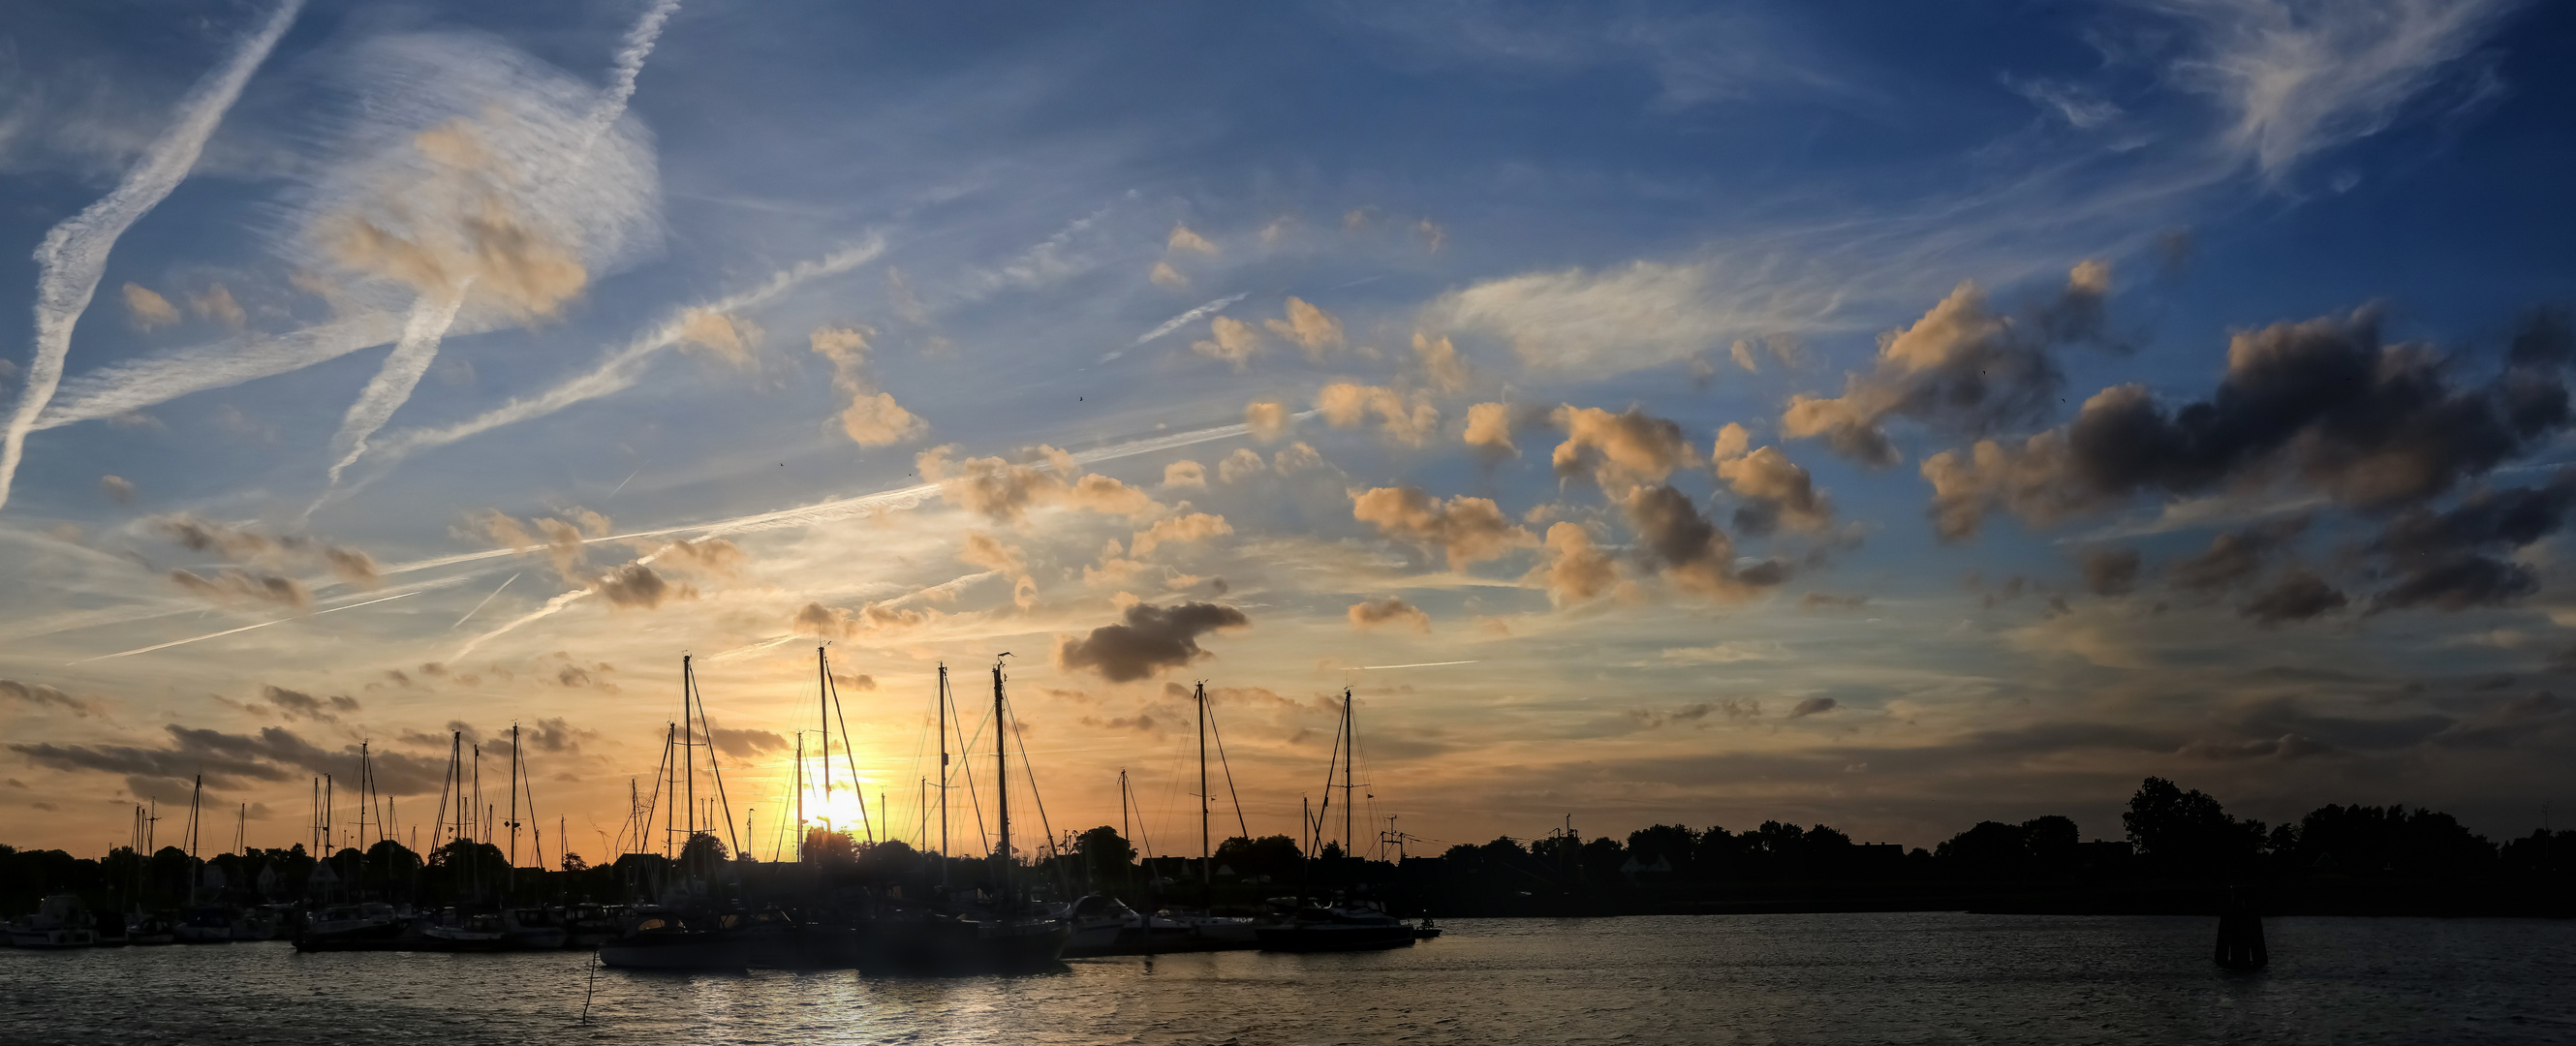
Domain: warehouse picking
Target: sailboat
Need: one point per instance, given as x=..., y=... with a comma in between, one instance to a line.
x=1343, y=926
x=689, y=933
x=1004, y=936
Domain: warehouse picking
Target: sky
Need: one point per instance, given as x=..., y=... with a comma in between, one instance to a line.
x=1892, y=417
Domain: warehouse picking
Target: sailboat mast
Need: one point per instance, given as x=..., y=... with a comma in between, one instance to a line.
x=823, y=715
x=943, y=773
x=800, y=797
x=1002, y=777
x=513, y=880
x=1206, y=853
x=1350, y=753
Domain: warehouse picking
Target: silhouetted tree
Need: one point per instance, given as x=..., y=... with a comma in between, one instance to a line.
x=2188, y=833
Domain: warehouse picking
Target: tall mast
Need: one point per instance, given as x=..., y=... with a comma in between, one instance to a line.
x=1002, y=778
x=1350, y=753
x=800, y=797
x=823, y=715
x=513, y=880
x=1206, y=853
x=943, y=773
x=689, y=751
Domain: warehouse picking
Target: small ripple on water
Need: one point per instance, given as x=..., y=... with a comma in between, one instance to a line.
x=1894, y=978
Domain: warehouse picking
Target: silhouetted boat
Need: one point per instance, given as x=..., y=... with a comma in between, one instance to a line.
x=1339, y=928
x=659, y=938
x=61, y=921
x=372, y=926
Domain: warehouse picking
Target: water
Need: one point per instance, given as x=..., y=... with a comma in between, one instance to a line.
x=1893, y=978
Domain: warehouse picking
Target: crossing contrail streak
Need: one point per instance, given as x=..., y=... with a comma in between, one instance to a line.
x=74, y=253
x=478, y=607
x=1186, y=318
x=245, y=628
x=1418, y=664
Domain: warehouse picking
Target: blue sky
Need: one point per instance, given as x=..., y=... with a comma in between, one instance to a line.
x=441, y=314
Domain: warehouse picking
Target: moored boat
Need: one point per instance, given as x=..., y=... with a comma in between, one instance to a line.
x=61, y=921
x=372, y=926
x=659, y=938
x=1339, y=928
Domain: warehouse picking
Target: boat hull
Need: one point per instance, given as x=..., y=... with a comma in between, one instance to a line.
x=687, y=951
x=53, y=939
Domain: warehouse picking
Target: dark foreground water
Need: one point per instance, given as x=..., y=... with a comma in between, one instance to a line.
x=1903, y=978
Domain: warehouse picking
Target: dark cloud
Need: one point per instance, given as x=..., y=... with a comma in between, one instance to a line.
x=1812, y=706
x=1151, y=639
x=2235, y=558
x=2371, y=426
x=1689, y=549
x=41, y=695
x=1965, y=367
x=2450, y=559
x=637, y=585
x=230, y=760
x=2296, y=595
x=744, y=744
x=296, y=704
x=231, y=585
x=2110, y=571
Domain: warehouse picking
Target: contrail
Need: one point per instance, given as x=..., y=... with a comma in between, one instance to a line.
x=120, y=388
x=1423, y=664
x=393, y=383
x=244, y=628
x=74, y=253
x=478, y=607
x=805, y=516
x=1186, y=318
x=623, y=367
x=412, y=356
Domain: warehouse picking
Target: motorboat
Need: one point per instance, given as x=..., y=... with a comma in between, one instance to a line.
x=61, y=921
x=466, y=932
x=591, y=925
x=662, y=938
x=532, y=929
x=371, y=926
x=145, y=928
x=207, y=925
x=1337, y=928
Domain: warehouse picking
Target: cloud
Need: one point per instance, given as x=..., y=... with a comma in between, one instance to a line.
x=1185, y=473
x=2296, y=595
x=2109, y=571
x=1196, y=526
x=1814, y=601
x=562, y=540
x=745, y=744
x=2236, y=557
x=1308, y=327
x=74, y=252
x=1296, y=457
x=1469, y=530
x=637, y=585
x=217, y=305
x=352, y=565
x=1489, y=430
x=815, y=619
x=1775, y=489
x=1576, y=570
x=1269, y=420
x=712, y=556
x=1813, y=706
x=296, y=704
x=2449, y=559
x=1640, y=315
x=1167, y=277
x=1231, y=340
x=43, y=696
x=1963, y=367
x=147, y=309
x=1347, y=405
x=273, y=755
x=1182, y=239
x=1689, y=549
x=1150, y=640
x=729, y=338
x=1441, y=364
x=2300, y=78
x=117, y=488
x=983, y=550
x=234, y=585
x=2370, y=426
x=1243, y=464
x=872, y=419
x=1619, y=450
x=1389, y=611
x=1005, y=492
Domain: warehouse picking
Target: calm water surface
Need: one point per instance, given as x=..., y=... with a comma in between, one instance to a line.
x=1903, y=978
